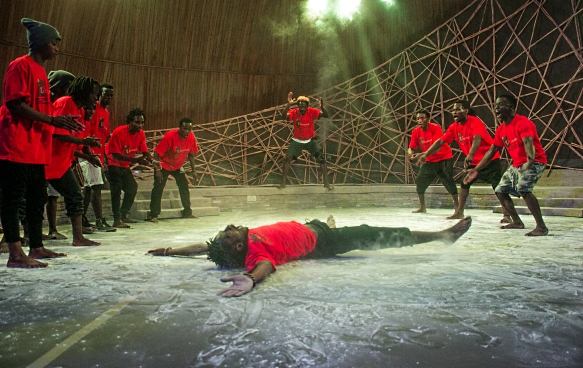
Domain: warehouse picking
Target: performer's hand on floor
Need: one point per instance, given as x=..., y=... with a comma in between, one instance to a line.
x=241, y=285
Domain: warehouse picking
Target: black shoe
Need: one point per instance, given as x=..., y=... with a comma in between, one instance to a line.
x=85, y=222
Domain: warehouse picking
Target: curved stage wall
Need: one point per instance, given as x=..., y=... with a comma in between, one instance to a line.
x=531, y=50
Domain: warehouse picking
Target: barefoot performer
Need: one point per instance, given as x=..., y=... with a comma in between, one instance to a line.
x=474, y=141
x=260, y=250
x=83, y=93
x=304, y=136
x=518, y=135
x=125, y=142
x=26, y=126
x=439, y=164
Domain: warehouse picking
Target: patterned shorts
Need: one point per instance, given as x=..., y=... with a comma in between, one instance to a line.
x=513, y=181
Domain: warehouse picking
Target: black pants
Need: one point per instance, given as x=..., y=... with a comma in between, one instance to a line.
x=344, y=239
x=156, y=197
x=431, y=170
x=68, y=186
x=23, y=182
x=121, y=179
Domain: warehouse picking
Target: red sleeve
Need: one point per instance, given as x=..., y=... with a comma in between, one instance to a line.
x=315, y=114
x=497, y=137
x=525, y=129
x=162, y=146
x=15, y=84
x=414, y=143
x=449, y=134
x=115, y=145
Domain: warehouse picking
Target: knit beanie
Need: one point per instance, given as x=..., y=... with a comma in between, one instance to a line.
x=58, y=78
x=38, y=33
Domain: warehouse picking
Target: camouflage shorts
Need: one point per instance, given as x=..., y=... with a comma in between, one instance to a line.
x=514, y=182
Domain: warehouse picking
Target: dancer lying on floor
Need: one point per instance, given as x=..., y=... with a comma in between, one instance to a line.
x=263, y=248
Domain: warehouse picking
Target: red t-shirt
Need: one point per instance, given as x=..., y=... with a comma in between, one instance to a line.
x=304, y=124
x=173, y=149
x=278, y=243
x=511, y=135
x=22, y=140
x=464, y=135
x=99, y=128
x=124, y=143
x=64, y=152
x=425, y=138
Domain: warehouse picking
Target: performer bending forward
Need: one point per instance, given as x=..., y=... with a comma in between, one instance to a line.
x=518, y=135
x=172, y=151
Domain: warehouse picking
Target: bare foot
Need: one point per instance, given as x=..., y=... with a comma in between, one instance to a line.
x=43, y=252
x=538, y=232
x=329, y=187
x=455, y=216
x=452, y=234
x=282, y=186
x=420, y=210
x=55, y=235
x=190, y=216
x=128, y=220
x=331, y=222
x=85, y=243
x=154, y=219
x=506, y=220
x=120, y=224
x=25, y=262
x=513, y=225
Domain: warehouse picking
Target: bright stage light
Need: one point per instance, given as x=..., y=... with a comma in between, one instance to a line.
x=316, y=8
x=346, y=8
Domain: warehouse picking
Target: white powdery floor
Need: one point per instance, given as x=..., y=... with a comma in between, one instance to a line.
x=493, y=299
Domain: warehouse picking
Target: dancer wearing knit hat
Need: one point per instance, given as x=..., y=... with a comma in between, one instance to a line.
x=26, y=126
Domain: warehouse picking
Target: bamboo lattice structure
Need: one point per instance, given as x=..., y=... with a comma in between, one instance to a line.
x=532, y=49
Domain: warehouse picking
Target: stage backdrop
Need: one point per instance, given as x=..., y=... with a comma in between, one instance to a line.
x=531, y=49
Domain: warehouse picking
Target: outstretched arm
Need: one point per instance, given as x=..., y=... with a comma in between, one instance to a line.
x=242, y=284
x=473, y=173
x=434, y=148
x=189, y=250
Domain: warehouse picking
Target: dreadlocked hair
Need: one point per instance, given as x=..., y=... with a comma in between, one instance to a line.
x=222, y=256
x=81, y=87
x=133, y=113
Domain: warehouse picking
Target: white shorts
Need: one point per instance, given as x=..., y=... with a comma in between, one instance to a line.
x=52, y=192
x=92, y=174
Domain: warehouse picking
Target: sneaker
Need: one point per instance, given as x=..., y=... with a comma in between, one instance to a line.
x=85, y=222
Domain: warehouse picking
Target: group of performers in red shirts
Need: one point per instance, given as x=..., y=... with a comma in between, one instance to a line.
x=49, y=122
x=42, y=130
x=515, y=133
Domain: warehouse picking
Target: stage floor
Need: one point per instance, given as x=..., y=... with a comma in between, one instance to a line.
x=493, y=299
